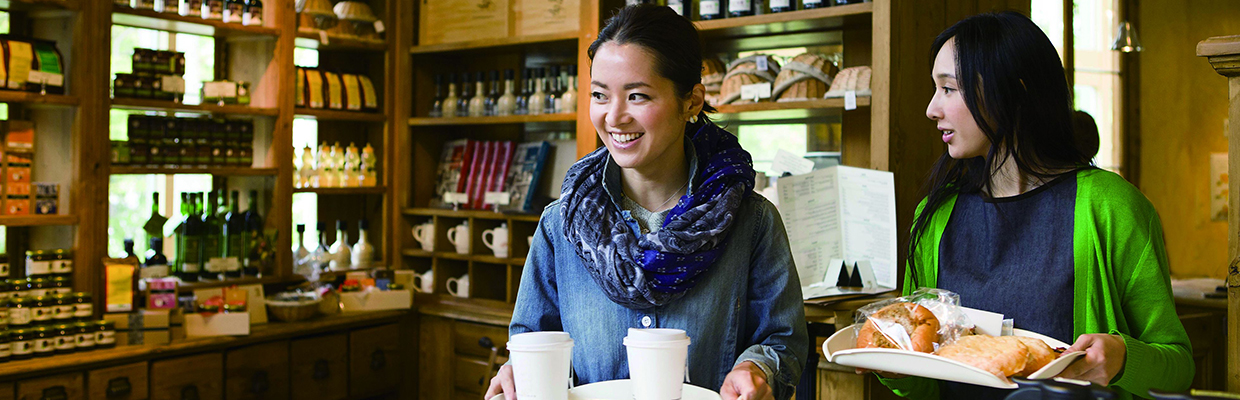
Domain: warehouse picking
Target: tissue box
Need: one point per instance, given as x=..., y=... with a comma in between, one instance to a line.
x=223, y=324
x=376, y=300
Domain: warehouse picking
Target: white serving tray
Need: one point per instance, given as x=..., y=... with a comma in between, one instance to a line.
x=841, y=349
x=622, y=389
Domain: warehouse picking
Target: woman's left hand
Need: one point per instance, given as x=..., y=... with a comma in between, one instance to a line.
x=1104, y=358
x=746, y=382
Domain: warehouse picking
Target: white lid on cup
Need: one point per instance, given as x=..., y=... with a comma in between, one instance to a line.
x=536, y=341
x=659, y=337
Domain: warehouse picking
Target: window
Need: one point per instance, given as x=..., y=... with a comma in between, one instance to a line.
x=305, y=133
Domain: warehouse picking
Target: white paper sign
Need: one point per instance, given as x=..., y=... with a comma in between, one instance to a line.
x=985, y=322
x=791, y=163
x=456, y=198
x=850, y=100
x=756, y=91
x=496, y=198
x=379, y=26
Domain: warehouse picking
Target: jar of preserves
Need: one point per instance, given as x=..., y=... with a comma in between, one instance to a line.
x=39, y=263
x=105, y=334
x=83, y=309
x=44, y=341
x=62, y=308
x=85, y=336
x=21, y=343
x=41, y=310
x=6, y=349
x=38, y=286
x=66, y=338
x=60, y=285
x=20, y=312
x=62, y=262
x=18, y=288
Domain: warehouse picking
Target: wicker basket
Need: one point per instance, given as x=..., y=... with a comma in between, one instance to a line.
x=851, y=79
x=745, y=72
x=805, y=77
x=291, y=311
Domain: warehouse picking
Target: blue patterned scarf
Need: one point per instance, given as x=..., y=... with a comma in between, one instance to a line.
x=656, y=268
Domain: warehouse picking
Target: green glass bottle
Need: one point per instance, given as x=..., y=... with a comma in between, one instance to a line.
x=189, y=244
x=253, y=232
x=211, y=236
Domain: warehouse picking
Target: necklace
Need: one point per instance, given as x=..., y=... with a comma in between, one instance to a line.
x=673, y=196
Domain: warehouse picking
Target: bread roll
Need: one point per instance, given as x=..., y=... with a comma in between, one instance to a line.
x=920, y=323
x=1003, y=356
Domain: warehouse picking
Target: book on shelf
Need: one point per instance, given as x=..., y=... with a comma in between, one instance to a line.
x=481, y=164
x=499, y=174
x=454, y=161
x=523, y=175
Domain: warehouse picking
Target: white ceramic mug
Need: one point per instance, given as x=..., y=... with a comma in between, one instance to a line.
x=425, y=235
x=459, y=237
x=424, y=283
x=459, y=287
x=498, y=242
x=657, y=362
x=541, y=361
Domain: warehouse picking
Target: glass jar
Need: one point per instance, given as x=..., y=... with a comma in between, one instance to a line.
x=105, y=334
x=18, y=288
x=39, y=262
x=38, y=286
x=85, y=336
x=21, y=343
x=66, y=338
x=6, y=349
x=41, y=310
x=83, y=309
x=61, y=285
x=4, y=265
x=44, y=341
x=62, y=262
x=63, y=307
x=20, y=312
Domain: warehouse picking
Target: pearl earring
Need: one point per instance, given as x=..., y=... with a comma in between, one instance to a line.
x=693, y=119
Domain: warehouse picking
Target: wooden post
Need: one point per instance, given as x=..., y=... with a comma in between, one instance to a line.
x=1224, y=55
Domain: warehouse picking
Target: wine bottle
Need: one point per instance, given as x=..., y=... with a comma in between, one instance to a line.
x=450, y=102
x=253, y=230
x=477, y=103
x=189, y=243
x=212, y=230
x=539, y=96
x=234, y=238
x=437, y=104
x=156, y=263
x=300, y=252
x=506, y=103
x=568, y=99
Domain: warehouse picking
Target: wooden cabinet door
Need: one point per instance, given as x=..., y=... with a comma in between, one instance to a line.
x=374, y=360
x=470, y=375
x=434, y=358
x=477, y=339
x=320, y=368
x=8, y=391
x=199, y=377
x=65, y=386
x=257, y=372
x=122, y=382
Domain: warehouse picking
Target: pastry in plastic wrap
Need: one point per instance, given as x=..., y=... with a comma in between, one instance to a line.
x=851, y=79
x=712, y=77
x=746, y=71
x=1003, y=356
x=892, y=325
x=807, y=76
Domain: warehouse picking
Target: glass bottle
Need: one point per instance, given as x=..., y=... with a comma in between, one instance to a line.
x=711, y=9
x=301, y=251
x=437, y=104
x=551, y=90
x=778, y=6
x=493, y=95
x=369, y=172
x=156, y=263
x=307, y=168
x=128, y=243
x=740, y=8
x=462, y=104
x=338, y=165
x=253, y=13
x=477, y=103
x=449, y=103
x=213, y=9
x=322, y=162
x=363, y=251
x=189, y=243
x=321, y=256
x=537, y=98
x=352, y=167
x=213, y=229
x=505, y=104
x=568, y=99
x=234, y=237
x=154, y=226
x=521, y=103
x=340, y=252
x=191, y=8
x=253, y=229
x=233, y=11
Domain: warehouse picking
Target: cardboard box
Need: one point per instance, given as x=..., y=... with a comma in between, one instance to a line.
x=376, y=300
x=447, y=21
x=543, y=17
x=222, y=324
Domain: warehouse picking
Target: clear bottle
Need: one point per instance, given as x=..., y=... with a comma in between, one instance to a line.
x=477, y=103
x=363, y=252
x=506, y=103
x=321, y=256
x=234, y=10
x=521, y=103
x=352, y=166
x=302, y=263
x=253, y=13
x=437, y=104
x=213, y=9
x=538, y=97
x=552, y=90
x=338, y=165
x=450, y=102
x=308, y=176
x=253, y=229
x=234, y=237
x=568, y=99
x=493, y=95
x=711, y=9
x=191, y=8
x=323, y=168
x=301, y=251
x=341, y=253
x=467, y=91
x=369, y=166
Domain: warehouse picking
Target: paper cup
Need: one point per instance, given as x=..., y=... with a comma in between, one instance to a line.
x=541, y=362
x=657, y=362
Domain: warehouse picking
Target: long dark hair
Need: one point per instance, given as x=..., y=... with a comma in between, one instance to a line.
x=671, y=39
x=1012, y=82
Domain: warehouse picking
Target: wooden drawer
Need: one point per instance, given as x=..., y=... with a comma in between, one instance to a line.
x=320, y=368
x=71, y=386
x=122, y=382
x=257, y=372
x=471, y=375
x=469, y=338
x=188, y=378
x=374, y=360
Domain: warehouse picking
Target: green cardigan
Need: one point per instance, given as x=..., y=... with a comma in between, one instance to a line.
x=1122, y=285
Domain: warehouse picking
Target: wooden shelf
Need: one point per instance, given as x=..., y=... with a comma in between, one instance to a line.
x=311, y=40
x=194, y=25
x=417, y=253
x=35, y=5
x=512, y=119
x=35, y=99
x=224, y=171
x=343, y=190
x=493, y=44
x=186, y=287
x=787, y=22
x=772, y=110
x=452, y=255
x=443, y=212
x=160, y=105
x=38, y=220
x=518, y=261
x=338, y=115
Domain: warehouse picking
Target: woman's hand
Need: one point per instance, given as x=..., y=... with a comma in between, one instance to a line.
x=502, y=383
x=747, y=382
x=1104, y=358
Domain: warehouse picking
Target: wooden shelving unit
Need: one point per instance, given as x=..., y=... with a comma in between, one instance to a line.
x=791, y=110
x=818, y=19
x=444, y=212
x=119, y=170
x=227, y=109
x=36, y=5
x=340, y=115
x=343, y=190
x=495, y=44
x=187, y=287
x=38, y=220
x=37, y=100
x=512, y=119
x=193, y=25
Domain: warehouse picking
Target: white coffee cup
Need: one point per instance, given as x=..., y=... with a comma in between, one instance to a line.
x=657, y=362
x=425, y=235
x=459, y=237
x=498, y=242
x=427, y=282
x=541, y=363
x=459, y=287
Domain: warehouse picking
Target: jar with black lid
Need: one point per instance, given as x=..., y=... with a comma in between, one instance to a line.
x=60, y=285
x=41, y=310
x=20, y=312
x=39, y=263
x=44, y=341
x=21, y=343
x=62, y=262
x=105, y=334
x=18, y=288
x=85, y=336
x=62, y=309
x=66, y=338
x=38, y=286
x=83, y=309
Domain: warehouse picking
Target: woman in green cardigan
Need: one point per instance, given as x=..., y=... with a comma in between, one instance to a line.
x=1018, y=222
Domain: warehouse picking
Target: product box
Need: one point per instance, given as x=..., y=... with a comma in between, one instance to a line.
x=19, y=136
x=376, y=300
x=221, y=324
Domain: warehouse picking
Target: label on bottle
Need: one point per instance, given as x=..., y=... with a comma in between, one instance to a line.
x=82, y=311
x=232, y=14
x=19, y=316
x=709, y=7
x=105, y=337
x=736, y=6
x=779, y=4
x=35, y=268
x=6, y=350
x=253, y=16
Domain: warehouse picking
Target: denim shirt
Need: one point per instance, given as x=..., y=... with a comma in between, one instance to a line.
x=747, y=307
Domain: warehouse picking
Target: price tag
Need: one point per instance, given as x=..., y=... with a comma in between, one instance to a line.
x=762, y=65
x=455, y=198
x=323, y=37
x=497, y=198
x=850, y=100
x=756, y=91
x=379, y=26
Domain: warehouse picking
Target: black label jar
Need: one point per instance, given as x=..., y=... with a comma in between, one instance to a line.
x=61, y=285
x=38, y=286
x=44, y=342
x=62, y=308
x=21, y=344
x=62, y=262
x=85, y=336
x=66, y=338
x=83, y=309
x=20, y=313
x=105, y=334
x=39, y=263
x=41, y=310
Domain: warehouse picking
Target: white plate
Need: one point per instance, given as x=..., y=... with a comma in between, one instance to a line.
x=622, y=389
x=841, y=349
